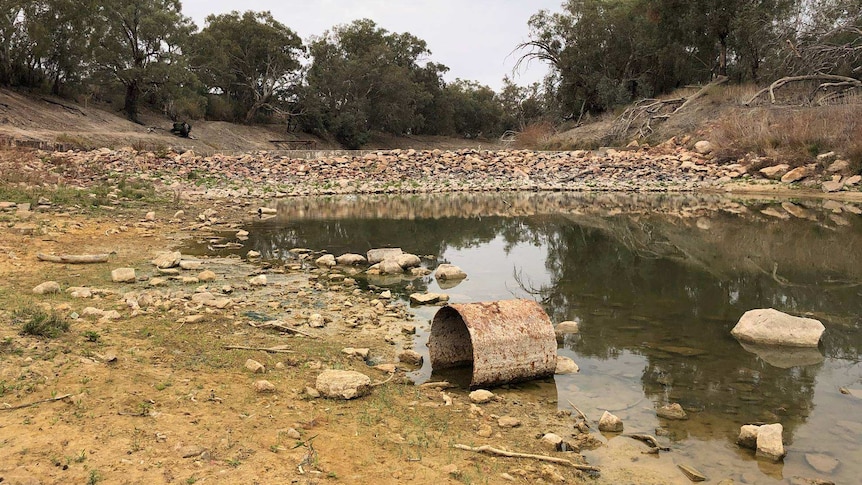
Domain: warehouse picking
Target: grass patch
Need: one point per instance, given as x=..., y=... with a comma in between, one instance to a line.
x=40, y=323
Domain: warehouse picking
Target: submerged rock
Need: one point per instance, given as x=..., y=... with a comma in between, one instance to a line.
x=772, y=327
x=671, y=411
x=785, y=357
x=609, y=423
x=770, y=444
x=565, y=365
x=449, y=272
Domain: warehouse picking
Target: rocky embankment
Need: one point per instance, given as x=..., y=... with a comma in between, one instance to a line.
x=670, y=166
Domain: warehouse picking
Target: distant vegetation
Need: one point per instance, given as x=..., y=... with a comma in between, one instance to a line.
x=359, y=78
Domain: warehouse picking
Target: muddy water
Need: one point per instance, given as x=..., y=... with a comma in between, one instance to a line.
x=656, y=283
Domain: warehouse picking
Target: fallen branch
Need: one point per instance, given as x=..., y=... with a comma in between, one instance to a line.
x=511, y=454
x=649, y=440
x=271, y=350
x=580, y=413
x=73, y=258
x=282, y=328
x=849, y=81
x=58, y=398
x=376, y=384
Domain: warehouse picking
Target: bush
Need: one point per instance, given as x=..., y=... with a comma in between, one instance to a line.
x=40, y=323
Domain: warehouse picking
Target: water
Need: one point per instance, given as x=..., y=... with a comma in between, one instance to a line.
x=656, y=283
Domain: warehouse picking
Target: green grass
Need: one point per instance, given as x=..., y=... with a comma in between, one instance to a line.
x=40, y=323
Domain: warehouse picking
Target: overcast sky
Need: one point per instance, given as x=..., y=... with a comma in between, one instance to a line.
x=474, y=38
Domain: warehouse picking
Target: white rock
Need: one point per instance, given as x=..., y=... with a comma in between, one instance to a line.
x=564, y=328
x=343, y=384
x=167, y=260
x=408, y=261
x=151, y=216
x=508, y=422
x=316, y=320
x=672, y=411
x=552, y=441
x=775, y=172
x=190, y=264
x=264, y=386
x=123, y=275
x=207, y=275
x=350, y=259
x=565, y=365
x=770, y=444
x=259, y=280
x=46, y=288
x=610, y=423
x=748, y=436
x=428, y=298
x=449, y=272
x=481, y=396
x=79, y=292
x=390, y=266
x=377, y=255
x=253, y=254
x=703, y=147
x=772, y=327
x=255, y=366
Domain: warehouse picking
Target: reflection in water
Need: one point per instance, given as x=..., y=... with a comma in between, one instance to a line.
x=656, y=282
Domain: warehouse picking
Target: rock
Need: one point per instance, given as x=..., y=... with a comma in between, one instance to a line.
x=449, y=272
x=410, y=357
x=838, y=166
x=157, y=282
x=770, y=444
x=564, y=328
x=207, y=275
x=316, y=320
x=327, y=260
x=259, y=280
x=481, y=396
x=785, y=357
x=293, y=434
x=312, y=392
x=25, y=229
x=408, y=261
x=485, y=431
x=775, y=172
x=508, y=422
x=832, y=186
x=703, y=147
x=565, y=365
x=854, y=180
x=610, y=423
x=343, y=384
x=451, y=469
x=242, y=233
x=351, y=259
x=671, y=411
x=189, y=264
x=551, y=441
x=264, y=386
x=390, y=266
x=386, y=295
x=748, y=436
x=46, y=288
x=191, y=451
x=253, y=254
x=123, y=275
x=428, y=298
x=550, y=474
x=79, y=292
x=255, y=366
x=167, y=260
x=826, y=157
x=150, y=216
x=822, y=463
x=387, y=368
x=772, y=327
x=351, y=352
x=377, y=255
x=795, y=175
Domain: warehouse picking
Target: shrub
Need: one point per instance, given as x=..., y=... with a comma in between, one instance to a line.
x=40, y=323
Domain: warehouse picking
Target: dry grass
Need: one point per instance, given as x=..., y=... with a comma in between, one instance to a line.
x=534, y=136
x=793, y=134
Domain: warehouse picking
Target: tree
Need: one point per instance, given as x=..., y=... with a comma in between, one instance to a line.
x=140, y=45
x=252, y=58
x=477, y=110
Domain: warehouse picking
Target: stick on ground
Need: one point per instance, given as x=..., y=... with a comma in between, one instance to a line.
x=272, y=350
x=58, y=398
x=73, y=258
x=511, y=454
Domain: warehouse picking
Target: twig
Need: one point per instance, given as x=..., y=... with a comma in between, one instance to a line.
x=272, y=350
x=73, y=258
x=282, y=328
x=511, y=454
x=580, y=413
x=58, y=398
x=383, y=382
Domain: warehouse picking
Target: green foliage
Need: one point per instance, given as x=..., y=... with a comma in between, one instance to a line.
x=40, y=323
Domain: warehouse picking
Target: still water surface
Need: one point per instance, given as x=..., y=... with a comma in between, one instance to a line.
x=656, y=283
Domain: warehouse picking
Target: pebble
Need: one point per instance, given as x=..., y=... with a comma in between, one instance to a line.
x=508, y=422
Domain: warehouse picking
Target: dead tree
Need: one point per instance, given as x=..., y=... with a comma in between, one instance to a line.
x=829, y=88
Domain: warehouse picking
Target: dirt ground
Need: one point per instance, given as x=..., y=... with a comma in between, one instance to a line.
x=152, y=396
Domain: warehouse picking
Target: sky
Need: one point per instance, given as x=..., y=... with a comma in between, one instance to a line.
x=474, y=38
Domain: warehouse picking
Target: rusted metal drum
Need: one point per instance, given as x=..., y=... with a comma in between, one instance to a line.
x=505, y=341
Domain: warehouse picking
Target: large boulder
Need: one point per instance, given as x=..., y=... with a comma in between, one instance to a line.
x=772, y=327
x=343, y=384
x=167, y=260
x=377, y=255
x=449, y=272
x=770, y=444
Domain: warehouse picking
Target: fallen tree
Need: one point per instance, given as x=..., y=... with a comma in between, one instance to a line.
x=834, y=87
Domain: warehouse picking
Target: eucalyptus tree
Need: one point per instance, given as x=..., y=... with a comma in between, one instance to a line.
x=139, y=44
x=251, y=58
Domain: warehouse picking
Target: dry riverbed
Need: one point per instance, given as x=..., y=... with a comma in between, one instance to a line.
x=144, y=387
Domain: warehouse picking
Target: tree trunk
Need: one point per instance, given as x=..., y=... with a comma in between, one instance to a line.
x=131, y=105
x=722, y=55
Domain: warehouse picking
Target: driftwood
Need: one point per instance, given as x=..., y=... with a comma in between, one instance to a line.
x=282, y=328
x=272, y=350
x=511, y=454
x=649, y=440
x=580, y=413
x=20, y=406
x=839, y=82
x=73, y=258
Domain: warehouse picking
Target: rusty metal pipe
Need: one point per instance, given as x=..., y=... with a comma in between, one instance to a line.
x=505, y=341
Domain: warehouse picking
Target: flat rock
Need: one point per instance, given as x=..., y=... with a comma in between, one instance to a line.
x=795, y=175
x=255, y=366
x=169, y=259
x=264, y=386
x=350, y=259
x=565, y=328
x=481, y=396
x=343, y=384
x=189, y=264
x=832, y=186
x=822, y=463
x=770, y=444
x=565, y=365
x=47, y=288
x=360, y=353
x=326, y=260
x=123, y=275
x=259, y=280
x=775, y=172
x=772, y=327
x=508, y=422
x=609, y=423
x=671, y=411
x=428, y=298
x=79, y=292
x=377, y=255
x=449, y=272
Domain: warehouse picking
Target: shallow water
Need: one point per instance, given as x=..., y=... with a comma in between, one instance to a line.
x=656, y=283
